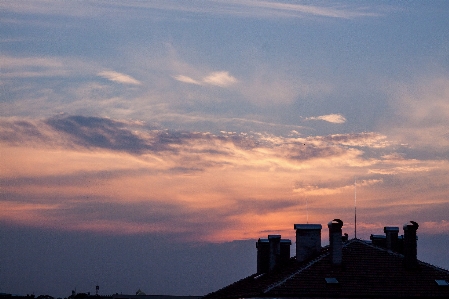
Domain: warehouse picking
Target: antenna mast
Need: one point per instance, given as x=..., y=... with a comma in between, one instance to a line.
x=307, y=208
x=355, y=208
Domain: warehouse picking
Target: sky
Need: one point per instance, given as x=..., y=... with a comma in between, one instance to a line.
x=149, y=144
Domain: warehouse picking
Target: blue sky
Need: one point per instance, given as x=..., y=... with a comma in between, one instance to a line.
x=208, y=124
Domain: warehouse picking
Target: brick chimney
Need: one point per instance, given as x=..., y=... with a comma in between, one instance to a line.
x=308, y=241
x=391, y=240
x=410, y=245
x=335, y=241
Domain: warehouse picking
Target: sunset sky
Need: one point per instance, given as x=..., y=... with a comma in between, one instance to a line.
x=148, y=144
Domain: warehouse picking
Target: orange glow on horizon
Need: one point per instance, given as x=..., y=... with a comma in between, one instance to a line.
x=215, y=189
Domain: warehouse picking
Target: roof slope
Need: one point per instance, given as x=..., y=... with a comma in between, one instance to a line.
x=367, y=271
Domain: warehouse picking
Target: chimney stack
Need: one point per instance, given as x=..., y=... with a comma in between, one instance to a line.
x=285, y=251
x=308, y=241
x=391, y=234
x=335, y=241
x=263, y=255
x=275, y=250
x=410, y=245
x=272, y=252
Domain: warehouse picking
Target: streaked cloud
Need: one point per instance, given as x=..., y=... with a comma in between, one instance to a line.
x=119, y=77
x=32, y=67
x=293, y=9
x=242, y=8
x=434, y=226
x=187, y=79
x=222, y=79
x=400, y=165
x=365, y=139
x=312, y=190
x=332, y=118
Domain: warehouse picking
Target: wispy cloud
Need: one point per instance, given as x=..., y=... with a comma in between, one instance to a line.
x=187, y=79
x=298, y=10
x=366, y=139
x=119, y=77
x=332, y=118
x=396, y=164
x=244, y=8
x=266, y=85
x=31, y=67
x=222, y=79
x=435, y=226
x=96, y=132
x=315, y=190
x=421, y=114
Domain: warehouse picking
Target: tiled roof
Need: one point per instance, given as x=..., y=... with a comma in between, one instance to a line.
x=366, y=271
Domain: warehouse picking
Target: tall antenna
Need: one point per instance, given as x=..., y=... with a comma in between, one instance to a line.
x=355, y=207
x=307, y=209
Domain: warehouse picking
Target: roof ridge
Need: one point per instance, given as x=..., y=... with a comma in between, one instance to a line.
x=434, y=267
x=391, y=252
x=274, y=285
x=401, y=255
x=308, y=265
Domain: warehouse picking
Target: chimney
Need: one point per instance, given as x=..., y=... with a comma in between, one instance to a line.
x=410, y=245
x=275, y=250
x=263, y=255
x=335, y=241
x=285, y=251
x=272, y=252
x=308, y=241
x=391, y=234
x=378, y=240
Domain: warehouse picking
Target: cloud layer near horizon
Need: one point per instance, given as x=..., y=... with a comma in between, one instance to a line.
x=98, y=174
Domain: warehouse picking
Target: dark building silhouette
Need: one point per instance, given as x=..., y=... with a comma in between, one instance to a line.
x=385, y=267
x=272, y=253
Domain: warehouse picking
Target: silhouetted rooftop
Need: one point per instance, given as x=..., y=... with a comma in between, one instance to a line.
x=366, y=271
